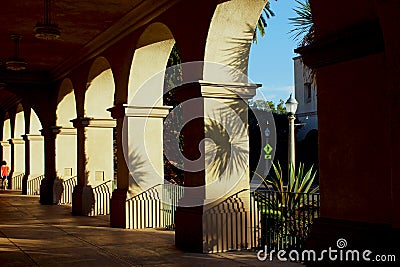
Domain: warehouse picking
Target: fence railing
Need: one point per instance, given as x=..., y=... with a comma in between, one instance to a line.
x=33, y=185
x=149, y=210
x=16, y=181
x=68, y=188
x=226, y=224
x=143, y=210
x=102, y=195
x=171, y=194
x=282, y=220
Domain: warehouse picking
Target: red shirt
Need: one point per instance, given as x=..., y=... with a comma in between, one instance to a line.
x=5, y=170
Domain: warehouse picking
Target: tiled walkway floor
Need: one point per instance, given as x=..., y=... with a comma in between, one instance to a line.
x=37, y=235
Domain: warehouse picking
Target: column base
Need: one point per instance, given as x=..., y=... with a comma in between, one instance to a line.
x=118, y=208
x=380, y=239
x=57, y=190
x=189, y=229
x=10, y=181
x=25, y=184
x=223, y=227
x=46, y=191
x=82, y=200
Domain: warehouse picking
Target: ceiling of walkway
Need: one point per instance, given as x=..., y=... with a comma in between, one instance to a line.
x=81, y=23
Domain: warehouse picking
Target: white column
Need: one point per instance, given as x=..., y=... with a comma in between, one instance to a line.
x=18, y=145
x=66, y=165
x=140, y=157
x=95, y=160
x=214, y=214
x=35, y=143
x=6, y=151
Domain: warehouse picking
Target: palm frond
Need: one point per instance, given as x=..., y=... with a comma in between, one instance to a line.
x=303, y=25
x=261, y=26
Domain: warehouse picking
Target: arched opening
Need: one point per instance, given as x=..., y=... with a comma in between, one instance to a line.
x=18, y=143
x=19, y=129
x=144, y=126
x=66, y=165
x=229, y=39
x=35, y=124
x=227, y=50
x=142, y=133
x=99, y=144
x=151, y=55
x=224, y=176
x=36, y=146
x=6, y=137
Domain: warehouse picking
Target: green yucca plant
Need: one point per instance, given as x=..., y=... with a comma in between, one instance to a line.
x=289, y=206
x=293, y=194
x=299, y=182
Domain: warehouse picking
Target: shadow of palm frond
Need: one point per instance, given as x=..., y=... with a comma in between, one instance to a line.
x=137, y=170
x=237, y=56
x=229, y=154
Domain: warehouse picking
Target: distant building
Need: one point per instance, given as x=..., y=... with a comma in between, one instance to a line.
x=306, y=95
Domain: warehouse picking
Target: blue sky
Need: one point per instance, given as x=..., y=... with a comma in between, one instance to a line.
x=271, y=59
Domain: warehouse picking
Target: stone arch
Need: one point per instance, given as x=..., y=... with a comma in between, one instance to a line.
x=225, y=68
x=144, y=153
x=6, y=137
x=66, y=139
x=18, y=145
x=151, y=55
x=19, y=128
x=229, y=38
x=99, y=143
x=100, y=91
x=66, y=106
x=36, y=146
x=35, y=125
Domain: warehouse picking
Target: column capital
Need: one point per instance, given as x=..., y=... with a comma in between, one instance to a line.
x=117, y=111
x=222, y=90
x=82, y=122
x=48, y=131
x=16, y=141
x=149, y=112
x=64, y=130
x=32, y=137
x=123, y=110
x=5, y=143
x=232, y=90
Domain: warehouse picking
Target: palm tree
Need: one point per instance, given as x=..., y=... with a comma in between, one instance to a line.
x=303, y=30
x=267, y=13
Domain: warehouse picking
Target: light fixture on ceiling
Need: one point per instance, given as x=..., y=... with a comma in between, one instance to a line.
x=16, y=63
x=47, y=30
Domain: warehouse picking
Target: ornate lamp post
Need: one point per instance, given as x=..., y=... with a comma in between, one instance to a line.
x=291, y=107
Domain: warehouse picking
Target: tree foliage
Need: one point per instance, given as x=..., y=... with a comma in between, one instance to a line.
x=304, y=31
x=261, y=104
x=261, y=26
x=303, y=25
x=173, y=77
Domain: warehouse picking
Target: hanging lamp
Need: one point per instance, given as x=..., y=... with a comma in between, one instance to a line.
x=16, y=63
x=47, y=30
